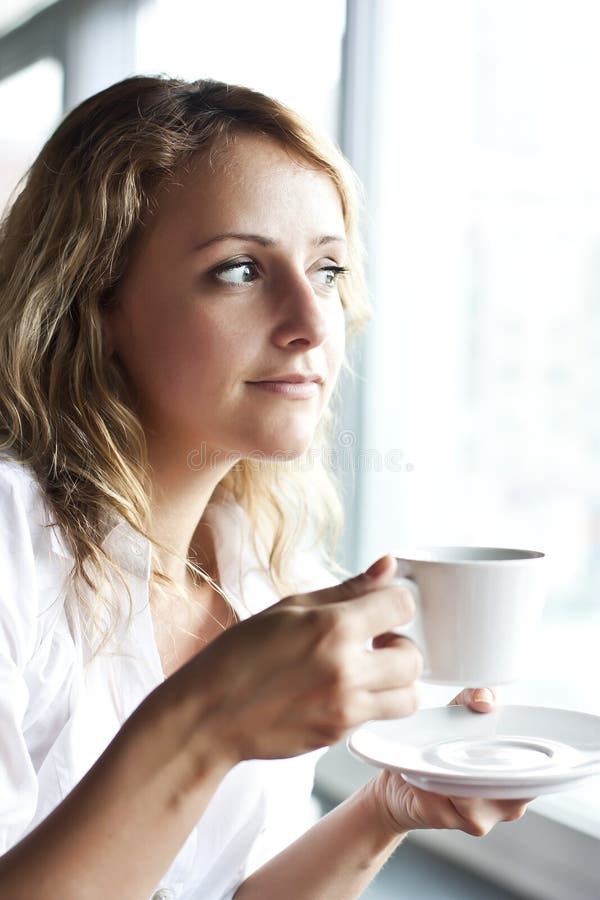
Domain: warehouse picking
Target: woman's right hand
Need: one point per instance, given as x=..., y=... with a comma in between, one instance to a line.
x=299, y=675
x=295, y=677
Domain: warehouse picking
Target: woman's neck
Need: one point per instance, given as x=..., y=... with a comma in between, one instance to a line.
x=180, y=495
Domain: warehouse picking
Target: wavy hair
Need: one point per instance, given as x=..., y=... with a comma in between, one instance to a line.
x=65, y=242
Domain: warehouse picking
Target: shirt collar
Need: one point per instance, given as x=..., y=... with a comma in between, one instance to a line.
x=132, y=552
x=125, y=546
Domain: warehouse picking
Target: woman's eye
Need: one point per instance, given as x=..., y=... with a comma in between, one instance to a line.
x=328, y=275
x=242, y=271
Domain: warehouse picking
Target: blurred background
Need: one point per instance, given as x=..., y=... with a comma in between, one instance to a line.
x=474, y=127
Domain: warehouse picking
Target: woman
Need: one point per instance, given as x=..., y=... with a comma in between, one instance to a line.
x=177, y=279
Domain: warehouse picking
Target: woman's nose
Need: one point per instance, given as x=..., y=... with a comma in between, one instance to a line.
x=301, y=314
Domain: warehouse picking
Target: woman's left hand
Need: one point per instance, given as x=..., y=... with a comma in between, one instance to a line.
x=405, y=807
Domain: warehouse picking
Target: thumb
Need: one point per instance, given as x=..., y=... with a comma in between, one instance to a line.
x=385, y=565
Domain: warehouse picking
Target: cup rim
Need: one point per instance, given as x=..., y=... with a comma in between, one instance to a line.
x=514, y=555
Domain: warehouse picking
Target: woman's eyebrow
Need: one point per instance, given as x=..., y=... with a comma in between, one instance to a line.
x=262, y=239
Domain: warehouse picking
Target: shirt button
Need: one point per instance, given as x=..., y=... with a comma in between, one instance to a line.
x=164, y=894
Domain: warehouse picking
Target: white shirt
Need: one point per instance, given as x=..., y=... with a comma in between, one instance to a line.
x=58, y=711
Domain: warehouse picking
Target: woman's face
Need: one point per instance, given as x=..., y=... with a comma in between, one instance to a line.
x=229, y=322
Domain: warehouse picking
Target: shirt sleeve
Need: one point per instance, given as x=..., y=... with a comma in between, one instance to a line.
x=18, y=616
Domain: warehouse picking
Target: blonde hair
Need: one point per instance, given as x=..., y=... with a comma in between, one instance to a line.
x=64, y=246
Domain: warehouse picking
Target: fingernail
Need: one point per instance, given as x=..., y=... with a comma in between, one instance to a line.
x=378, y=567
x=482, y=695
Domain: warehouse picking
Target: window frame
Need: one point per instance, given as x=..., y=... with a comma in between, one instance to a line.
x=65, y=31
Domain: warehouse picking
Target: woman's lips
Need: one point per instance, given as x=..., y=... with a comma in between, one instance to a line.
x=295, y=390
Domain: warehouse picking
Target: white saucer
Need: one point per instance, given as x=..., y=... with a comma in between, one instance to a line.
x=513, y=752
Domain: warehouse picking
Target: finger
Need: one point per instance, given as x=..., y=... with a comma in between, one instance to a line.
x=394, y=667
x=389, y=639
x=478, y=699
x=379, y=611
x=514, y=809
x=380, y=573
x=393, y=704
x=487, y=813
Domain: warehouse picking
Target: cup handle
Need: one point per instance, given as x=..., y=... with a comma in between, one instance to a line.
x=413, y=629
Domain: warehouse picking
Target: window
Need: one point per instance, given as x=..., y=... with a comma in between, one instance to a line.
x=482, y=364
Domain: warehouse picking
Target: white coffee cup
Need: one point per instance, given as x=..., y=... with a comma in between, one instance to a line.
x=477, y=611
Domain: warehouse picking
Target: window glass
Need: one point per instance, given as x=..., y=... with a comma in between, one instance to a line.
x=30, y=108
x=483, y=372
x=291, y=51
